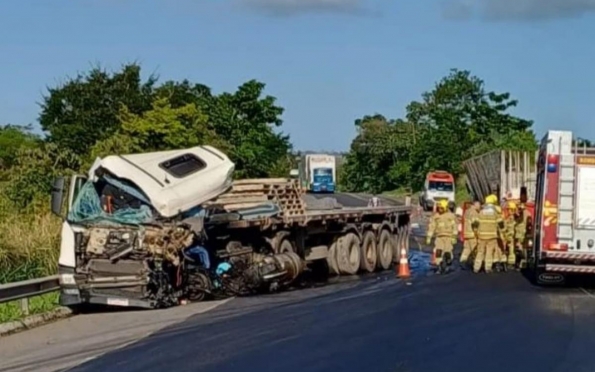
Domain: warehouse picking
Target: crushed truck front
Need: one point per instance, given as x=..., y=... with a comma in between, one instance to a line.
x=129, y=221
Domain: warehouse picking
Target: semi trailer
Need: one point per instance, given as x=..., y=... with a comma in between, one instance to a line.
x=150, y=230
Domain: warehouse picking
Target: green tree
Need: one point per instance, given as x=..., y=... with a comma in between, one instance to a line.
x=458, y=119
x=161, y=128
x=13, y=138
x=85, y=109
x=245, y=119
x=31, y=177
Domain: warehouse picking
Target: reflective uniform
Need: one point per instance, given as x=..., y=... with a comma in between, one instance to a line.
x=500, y=252
x=488, y=225
x=470, y=243
x=509, y=234
x=519, y=235
x=444, y=227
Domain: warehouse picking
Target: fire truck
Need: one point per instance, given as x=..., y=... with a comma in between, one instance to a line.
x=558, y=185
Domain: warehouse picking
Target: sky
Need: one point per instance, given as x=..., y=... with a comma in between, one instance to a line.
x=328, y=62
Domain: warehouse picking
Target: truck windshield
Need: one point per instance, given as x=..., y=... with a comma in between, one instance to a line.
x=323, y=172
x=441, y=186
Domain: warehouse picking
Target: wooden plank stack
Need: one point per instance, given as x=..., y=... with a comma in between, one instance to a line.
x=250, y=193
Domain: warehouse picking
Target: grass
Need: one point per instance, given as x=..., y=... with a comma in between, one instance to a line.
x=29, y=248
x=37, y=305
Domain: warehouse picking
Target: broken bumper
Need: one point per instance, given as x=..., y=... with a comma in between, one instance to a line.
x=75, y=290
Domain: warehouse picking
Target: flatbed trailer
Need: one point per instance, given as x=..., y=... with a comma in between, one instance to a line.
x=348, y=240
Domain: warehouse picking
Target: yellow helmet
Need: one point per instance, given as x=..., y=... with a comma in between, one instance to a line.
x=512, y=206
x=491, y=199
x=443, y=204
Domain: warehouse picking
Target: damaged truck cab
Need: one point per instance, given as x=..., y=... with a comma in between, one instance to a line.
x=128, y=222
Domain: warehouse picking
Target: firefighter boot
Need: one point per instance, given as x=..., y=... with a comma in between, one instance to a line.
x=448, y=262
x=440, y=262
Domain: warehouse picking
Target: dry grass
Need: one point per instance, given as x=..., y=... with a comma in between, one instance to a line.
x=29, y=243
x=29, y=248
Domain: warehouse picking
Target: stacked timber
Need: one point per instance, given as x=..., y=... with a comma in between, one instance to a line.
x=251, y=193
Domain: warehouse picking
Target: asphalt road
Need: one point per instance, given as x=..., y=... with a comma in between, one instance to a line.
x=456, y=322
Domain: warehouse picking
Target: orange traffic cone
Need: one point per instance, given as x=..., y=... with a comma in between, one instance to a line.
x=404, y=271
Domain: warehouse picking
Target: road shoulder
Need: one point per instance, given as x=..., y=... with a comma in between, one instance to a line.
x=67, y=343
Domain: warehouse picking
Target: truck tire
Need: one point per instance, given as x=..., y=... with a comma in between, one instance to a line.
x=369, y=252
x=385, y=250
x=331, y=259
x=349, y=254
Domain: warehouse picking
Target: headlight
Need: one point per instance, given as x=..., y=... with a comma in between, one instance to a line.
x=530, y=243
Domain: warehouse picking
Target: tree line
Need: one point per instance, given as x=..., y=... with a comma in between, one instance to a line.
x=99, y=113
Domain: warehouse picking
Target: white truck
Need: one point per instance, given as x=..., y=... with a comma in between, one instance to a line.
x=148, y=230
x=318, y=173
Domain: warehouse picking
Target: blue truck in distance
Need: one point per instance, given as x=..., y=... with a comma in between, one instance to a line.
x=317, y=173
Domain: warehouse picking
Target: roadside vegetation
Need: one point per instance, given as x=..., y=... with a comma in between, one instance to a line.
x=102, y=112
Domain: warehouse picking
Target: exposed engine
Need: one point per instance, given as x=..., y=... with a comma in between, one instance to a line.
x=240, y=271
x=139, y=261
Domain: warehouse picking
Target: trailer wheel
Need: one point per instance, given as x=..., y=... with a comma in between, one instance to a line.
x=369, y=252
x=385, y=250
x=349, y=254
x=331, y=259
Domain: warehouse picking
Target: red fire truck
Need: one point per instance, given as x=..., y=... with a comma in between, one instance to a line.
x=564, y=232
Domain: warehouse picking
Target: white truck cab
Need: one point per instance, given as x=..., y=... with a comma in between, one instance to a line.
x=125, y=222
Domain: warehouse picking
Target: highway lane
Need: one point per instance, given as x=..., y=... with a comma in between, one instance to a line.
x=456, y=322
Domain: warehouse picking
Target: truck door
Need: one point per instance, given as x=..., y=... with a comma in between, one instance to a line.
x=67, y=260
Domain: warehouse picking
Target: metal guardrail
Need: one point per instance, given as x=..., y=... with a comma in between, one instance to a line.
x=28, y=288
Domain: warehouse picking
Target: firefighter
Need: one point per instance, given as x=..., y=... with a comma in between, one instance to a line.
x=470, y=244
x=443, y=225
x=499, y=260
x=510, y=234
x=488, y=226
x=522, y=219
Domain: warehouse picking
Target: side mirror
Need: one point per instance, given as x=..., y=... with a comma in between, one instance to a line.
x=58, y=196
